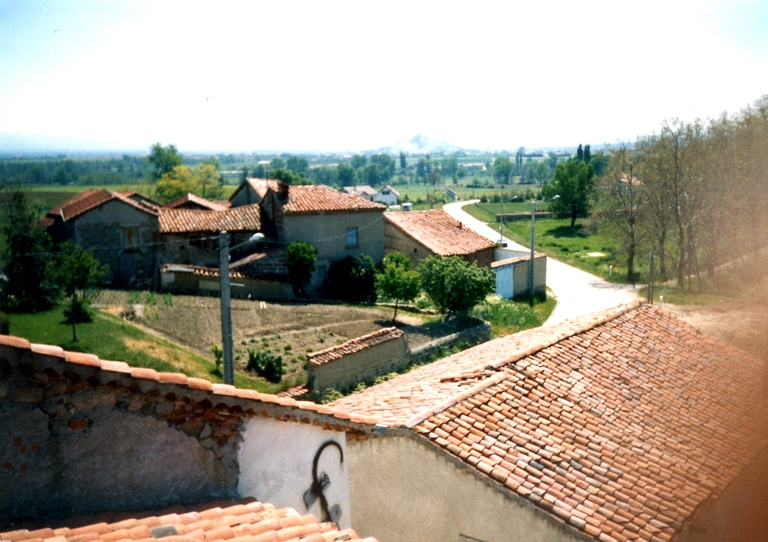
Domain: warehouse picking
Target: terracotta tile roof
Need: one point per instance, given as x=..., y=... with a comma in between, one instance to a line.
x=90, y=199
x=620, y=429
x=261, y=186
x=245, y=522
x=55, y=360
x=191, y=201
x=439, y=232
x=198, y=270
x=245, y=218
x=320, y=198
x=354, y=345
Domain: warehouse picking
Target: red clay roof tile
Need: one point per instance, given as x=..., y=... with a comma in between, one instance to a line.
x=320, y=198
x=354, y=345
x=617, y=426
x=245, y=218
x=244, y=522
x=439, y=232
x=89, y=199
x=191, y=201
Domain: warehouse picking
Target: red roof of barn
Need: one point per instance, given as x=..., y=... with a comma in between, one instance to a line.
x=439, y=232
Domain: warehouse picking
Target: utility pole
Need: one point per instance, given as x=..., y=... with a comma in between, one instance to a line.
x=501, y=220
x=533, y=235
x=226, y=309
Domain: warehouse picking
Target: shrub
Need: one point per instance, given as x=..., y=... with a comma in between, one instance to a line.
x=352, y=279
x=453, y=284
x=77, y=311
x=218, y=354
x=5, y=324
x=266, y=364
x=301, y=265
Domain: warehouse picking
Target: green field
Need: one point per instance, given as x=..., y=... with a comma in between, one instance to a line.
x=111, y=338
x=579, y=246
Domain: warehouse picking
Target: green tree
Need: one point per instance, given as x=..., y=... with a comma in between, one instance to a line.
x=358, y=161
x=73, y=270
x=297, y=164
x=289, y=177
x=352, y=279
x=573, y=183
x=580, y=153
x=24, y=258
x=163, y=160
x=346, y=175
x=301, y=265
x=203, y=181
x=386, y=166
x=277, y=163
x=402, y=160
x=397, y=281
x=453, y=284
x=502, y=168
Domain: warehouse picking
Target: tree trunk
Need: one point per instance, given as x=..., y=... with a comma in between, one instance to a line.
x=681, y=262
x=573, y=214
x=631, y=256
x=72, y=316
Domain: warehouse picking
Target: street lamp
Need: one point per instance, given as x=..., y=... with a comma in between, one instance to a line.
x=226, y=302
x=533, y=235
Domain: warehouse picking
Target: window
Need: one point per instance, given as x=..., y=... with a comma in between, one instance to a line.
x=351, y=237
x=130, y=238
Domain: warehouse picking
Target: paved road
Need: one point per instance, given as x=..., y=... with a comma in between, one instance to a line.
x=577, y=291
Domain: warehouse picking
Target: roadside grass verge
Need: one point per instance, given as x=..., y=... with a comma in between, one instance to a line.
x=579, y=246
x=111, y=338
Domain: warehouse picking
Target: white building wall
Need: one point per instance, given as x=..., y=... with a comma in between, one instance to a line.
x=276, y=461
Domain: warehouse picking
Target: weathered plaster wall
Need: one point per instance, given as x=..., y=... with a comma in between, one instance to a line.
x=328, y=234
x=72, y=445
x=739, y=514
x=402, y=489
x=370, y=362
x=276, y=465
x=189, y=283
x=108, y=229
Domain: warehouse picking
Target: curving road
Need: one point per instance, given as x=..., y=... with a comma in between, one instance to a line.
x=577, y=291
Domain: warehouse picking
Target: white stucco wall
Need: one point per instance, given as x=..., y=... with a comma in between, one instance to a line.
x=276, y=461
x=402, y=489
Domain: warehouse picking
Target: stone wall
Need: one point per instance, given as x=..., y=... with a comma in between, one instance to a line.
x=345, y=372
x=82, y=435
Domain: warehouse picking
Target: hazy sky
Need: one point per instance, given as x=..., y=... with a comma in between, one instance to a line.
x=327, y=75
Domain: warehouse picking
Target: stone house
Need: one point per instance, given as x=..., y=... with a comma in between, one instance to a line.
x=118, y=227
x=420, y=234
x=83, y=435
x=627, y=425
x=191, y=236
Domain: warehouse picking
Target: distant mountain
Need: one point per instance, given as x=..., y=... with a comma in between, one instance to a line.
x=420, y=144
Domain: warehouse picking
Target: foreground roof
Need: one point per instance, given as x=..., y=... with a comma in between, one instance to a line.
x=315, y=199
x=62, y=364
x=90, y=199
x=245, y=218
x=620, y=425
x=250, y=521
x=439, y=232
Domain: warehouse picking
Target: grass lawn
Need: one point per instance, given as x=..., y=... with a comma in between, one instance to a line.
x=590, y=251
x=111, y=338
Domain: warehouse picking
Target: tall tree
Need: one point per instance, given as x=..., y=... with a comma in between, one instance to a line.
x=203, y=181
x=24, y=257
x=163, y=160
x=297, y=164
x=502, y=168
x=346, y=175
x=402, y=160
x=572, y=182
x=619, y=202
x=587, y=153
x=386, y=165
x=580, y=153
